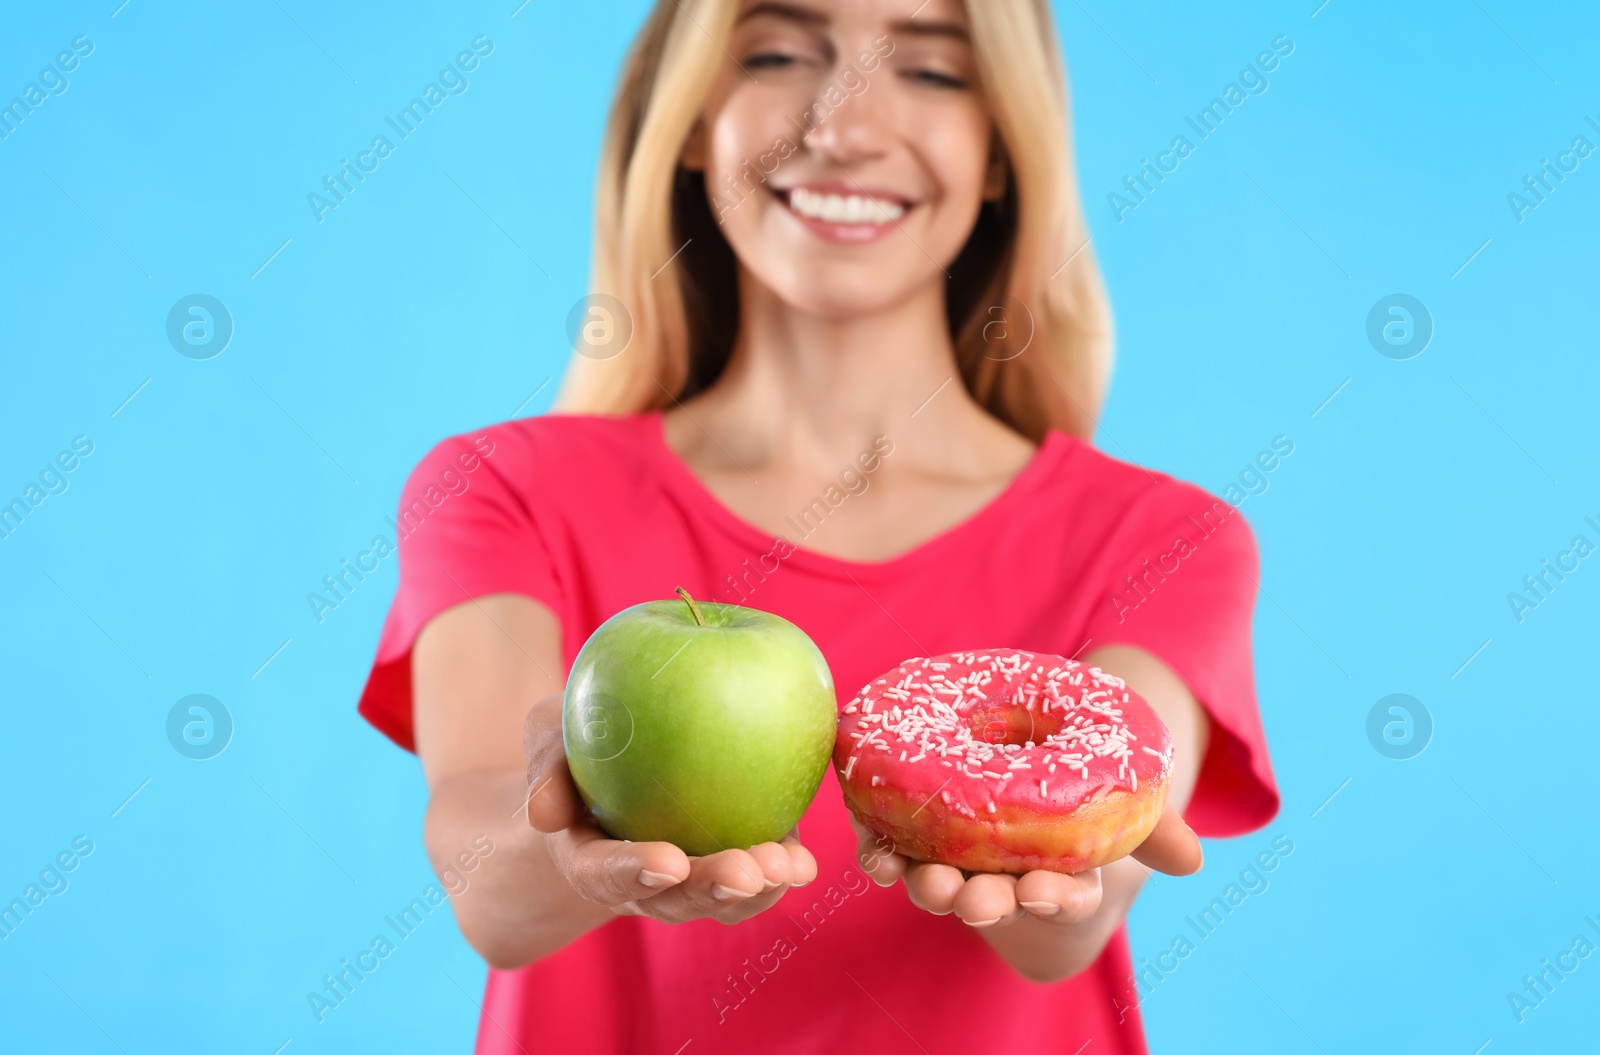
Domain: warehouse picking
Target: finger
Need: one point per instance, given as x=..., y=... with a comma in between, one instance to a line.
x=611, y=872
x=774, y=863
x=722, y=885
x=877, y=855
x=1171, y=847
x=802, y=863
x=933, y=887
x=553, y=801
x=743, y=910
x=1060, y=898
x=987, y=899
x=783, y=865
x=728, y=876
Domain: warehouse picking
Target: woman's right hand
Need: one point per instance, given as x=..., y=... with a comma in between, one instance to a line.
x=654, y=879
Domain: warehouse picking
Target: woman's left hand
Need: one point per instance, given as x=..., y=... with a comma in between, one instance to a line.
x=982, y=899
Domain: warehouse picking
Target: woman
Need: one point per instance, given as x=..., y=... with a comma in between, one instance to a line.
x=845, y=369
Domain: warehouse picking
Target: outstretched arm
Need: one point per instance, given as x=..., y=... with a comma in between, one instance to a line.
x=487, y=682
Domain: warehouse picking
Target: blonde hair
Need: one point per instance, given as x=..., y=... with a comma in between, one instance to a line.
x=1044, y=366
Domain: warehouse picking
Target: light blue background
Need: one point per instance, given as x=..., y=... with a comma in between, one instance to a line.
x=435, y=300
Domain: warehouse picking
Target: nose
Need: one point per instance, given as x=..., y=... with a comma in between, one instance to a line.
x=858, y=128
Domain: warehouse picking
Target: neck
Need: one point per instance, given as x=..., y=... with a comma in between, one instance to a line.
x=817, y=389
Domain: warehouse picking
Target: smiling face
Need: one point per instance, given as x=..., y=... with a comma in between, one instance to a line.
x=847, y=149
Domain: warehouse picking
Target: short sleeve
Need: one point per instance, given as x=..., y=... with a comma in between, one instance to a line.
x=1183, y=588
x=463, y=531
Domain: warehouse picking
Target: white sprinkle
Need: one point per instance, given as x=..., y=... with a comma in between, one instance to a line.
x=876, y=781
x=1042, y=787
x=928, y=713
x=991, y=807
x=849, y=767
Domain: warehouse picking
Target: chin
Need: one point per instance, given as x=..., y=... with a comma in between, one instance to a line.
x=825, y=279
x=837, y=304
x=827, y=290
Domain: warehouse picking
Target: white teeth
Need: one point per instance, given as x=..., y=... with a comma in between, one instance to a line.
x=852, y=208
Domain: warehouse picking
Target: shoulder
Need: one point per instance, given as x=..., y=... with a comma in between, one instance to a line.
x=1142, y=507
x=550, y=450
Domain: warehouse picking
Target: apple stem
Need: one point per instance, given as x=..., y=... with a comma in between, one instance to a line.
x=698, y=618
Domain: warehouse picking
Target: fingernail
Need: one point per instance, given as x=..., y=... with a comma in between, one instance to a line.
x=726, y=893
x=772, y=886
x=1042, y=908
x=655, y=879
x=982, y=922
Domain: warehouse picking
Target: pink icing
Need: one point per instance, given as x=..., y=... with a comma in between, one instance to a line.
x=1017, y=729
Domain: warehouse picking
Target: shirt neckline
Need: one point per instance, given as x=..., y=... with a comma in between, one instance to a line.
x=1055, y=446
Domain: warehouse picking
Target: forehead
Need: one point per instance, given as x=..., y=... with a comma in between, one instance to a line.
x=887, y=14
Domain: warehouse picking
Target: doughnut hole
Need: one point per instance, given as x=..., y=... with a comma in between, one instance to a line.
x=1002, y=720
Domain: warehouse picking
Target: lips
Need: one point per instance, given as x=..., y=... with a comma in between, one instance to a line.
x=847, y=213
x=850, y=207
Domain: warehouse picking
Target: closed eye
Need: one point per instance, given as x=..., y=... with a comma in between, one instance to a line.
x=934, y=79
x=770, y=60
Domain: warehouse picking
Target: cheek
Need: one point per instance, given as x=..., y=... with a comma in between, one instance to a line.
x=955, y=138
x=730, y=140
x=740, y=164
x=952, y=142
x=951, y=135
x=745, y=127
x=741, y=161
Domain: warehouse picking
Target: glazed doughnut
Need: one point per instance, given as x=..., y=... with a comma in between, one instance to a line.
x=999, y=760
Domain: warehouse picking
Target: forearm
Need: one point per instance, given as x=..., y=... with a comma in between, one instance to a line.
x=515, y=907
x=1042, y=951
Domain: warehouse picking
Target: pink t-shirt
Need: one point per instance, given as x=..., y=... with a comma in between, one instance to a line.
x=590, y=514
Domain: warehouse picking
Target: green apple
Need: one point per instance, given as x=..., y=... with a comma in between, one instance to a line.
x=705, y=725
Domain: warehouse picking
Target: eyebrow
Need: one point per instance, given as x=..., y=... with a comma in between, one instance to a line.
x=789, y=12
x=913, y=28
x=810, y=17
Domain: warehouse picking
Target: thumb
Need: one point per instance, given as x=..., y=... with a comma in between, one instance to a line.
x=1171, y=847
x=553, y=803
